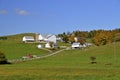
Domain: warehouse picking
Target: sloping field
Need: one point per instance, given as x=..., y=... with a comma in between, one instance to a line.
x=69, y=65
x=14, y=48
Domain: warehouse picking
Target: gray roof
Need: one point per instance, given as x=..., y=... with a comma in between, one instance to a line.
x=76, y=43
x=47, y=36
x=29, y=37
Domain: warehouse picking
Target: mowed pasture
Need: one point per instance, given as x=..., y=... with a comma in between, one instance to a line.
x=67, y=65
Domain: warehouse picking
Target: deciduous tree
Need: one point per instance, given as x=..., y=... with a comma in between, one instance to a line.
x=72, y=38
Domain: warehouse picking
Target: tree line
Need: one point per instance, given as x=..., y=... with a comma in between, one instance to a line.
x=98, y=37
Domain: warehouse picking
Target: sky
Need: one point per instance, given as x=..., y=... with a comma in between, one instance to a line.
x=57, y=16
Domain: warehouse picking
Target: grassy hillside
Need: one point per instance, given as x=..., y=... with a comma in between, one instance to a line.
x=68, y=65
x=18, y=37
x=14, y=48
x=80, y=58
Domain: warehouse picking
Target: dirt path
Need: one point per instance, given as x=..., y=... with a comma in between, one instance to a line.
x=52, y=53
x=37, y=57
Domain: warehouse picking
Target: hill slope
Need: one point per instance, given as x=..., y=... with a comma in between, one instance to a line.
x=14, y=48
x=67, y=65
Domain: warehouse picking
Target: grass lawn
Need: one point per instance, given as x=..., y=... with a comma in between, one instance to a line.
x=68, y=65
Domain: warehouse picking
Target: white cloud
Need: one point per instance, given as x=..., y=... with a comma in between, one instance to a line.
x=21, y=12
x=3, y=12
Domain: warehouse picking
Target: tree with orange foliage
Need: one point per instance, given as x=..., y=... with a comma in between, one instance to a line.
x=103, y=37
x=72, y=38
x=81, y=40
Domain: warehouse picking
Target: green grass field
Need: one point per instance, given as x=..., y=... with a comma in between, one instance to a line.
x=14, y=48
x=66, y=65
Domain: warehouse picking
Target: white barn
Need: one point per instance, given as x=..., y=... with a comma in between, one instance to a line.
x=42, y=37
x=47, y=38
x=28, y=39
x=51, y=38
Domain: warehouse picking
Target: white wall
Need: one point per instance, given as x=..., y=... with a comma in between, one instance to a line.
x=25, y=39
x=52, y=39
x=40, y=37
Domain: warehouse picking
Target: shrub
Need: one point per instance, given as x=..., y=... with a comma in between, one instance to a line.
x=3, y=59
x=92, y=58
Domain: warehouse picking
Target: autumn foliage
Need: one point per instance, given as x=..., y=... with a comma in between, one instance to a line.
x=72, y=38
x=99, y=37
x=103, y=37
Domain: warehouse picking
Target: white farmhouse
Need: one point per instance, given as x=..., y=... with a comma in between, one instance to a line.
x=28, y=39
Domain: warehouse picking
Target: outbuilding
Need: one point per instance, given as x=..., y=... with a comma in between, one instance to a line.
x=76, y=45
x=47, y=45
x=40, y=46
x=28, y=39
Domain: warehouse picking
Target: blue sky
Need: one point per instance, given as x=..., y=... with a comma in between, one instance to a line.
x=57, y=16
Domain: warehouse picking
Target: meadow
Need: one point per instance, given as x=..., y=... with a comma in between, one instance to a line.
x=67, y=65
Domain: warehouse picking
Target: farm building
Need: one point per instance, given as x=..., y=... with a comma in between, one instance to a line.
x=51, y=45
x=47, y=45
x=51, y=38
x=42, y=37
x=59, y=39
x=47, y=38
x=28, y=39
x=40, y=46
x=76, y=45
